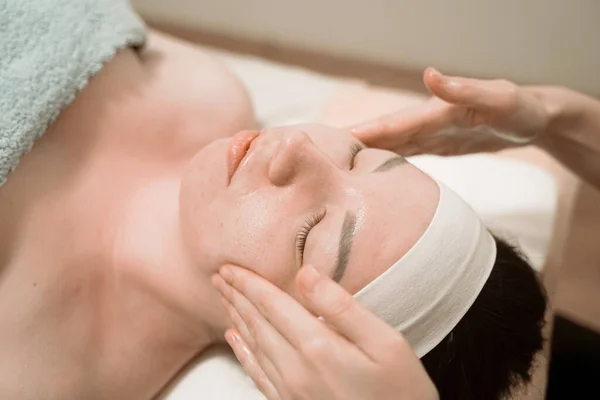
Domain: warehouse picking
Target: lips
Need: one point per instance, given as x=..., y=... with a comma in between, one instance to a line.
x=238, y=148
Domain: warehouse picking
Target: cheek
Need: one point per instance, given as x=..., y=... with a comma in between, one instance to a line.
x=260, y=239
x=224, y=225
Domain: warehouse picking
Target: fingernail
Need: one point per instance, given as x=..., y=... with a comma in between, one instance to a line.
x=241, y=350
x=311, y=277
x=234, y=342
x=443, y=79
x=231, y=337
x=359, y=130
x=226, y=273
x=435, y=72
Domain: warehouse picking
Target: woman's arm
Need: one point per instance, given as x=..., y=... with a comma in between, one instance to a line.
x=573, y=135
x=467, y=115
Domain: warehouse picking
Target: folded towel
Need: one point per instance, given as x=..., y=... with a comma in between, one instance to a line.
x=48, y=51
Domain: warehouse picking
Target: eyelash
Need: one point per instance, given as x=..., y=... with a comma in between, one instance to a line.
x=356, y=148
x=302, y=235
x=311, y=222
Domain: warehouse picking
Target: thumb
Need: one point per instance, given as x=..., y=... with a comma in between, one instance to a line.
x=325, y=298
x=482, y=95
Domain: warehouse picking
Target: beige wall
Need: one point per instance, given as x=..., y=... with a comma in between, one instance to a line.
x=554, y=41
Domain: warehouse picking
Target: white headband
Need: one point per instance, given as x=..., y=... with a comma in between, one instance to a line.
x=426, y=293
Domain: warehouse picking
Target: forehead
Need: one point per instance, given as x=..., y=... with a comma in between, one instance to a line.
x=396, y=210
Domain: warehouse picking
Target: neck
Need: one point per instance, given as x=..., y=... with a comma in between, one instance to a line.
x=160, y=264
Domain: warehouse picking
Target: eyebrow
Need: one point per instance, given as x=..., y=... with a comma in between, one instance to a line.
x=349, y=225
x=390, y=163
x=345, y=245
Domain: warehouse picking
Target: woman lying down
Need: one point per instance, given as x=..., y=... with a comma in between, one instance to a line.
x=147, y=183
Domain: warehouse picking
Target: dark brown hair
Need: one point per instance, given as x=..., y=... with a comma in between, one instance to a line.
x=491, y=350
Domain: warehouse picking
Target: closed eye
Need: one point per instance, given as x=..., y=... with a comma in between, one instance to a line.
x=302, y=235
x=354, y=150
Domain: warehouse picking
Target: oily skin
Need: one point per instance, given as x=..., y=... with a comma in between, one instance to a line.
x=290, y=175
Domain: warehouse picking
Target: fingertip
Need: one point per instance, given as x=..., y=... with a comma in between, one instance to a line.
x=229, y=333
x=452, y=89
x=232, y=337
x=216, y=281
x=227, y=272
x=431, y=72
x=308, y=278
x=361, y=132
x=239, y=347
x=433, y=79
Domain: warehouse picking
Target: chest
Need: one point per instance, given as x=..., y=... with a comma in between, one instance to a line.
x=61, y=211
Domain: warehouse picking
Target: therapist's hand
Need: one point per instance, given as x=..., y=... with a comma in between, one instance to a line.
x=291, y=355
x=460, y=117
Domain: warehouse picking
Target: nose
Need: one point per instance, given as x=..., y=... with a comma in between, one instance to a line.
x=298, y=158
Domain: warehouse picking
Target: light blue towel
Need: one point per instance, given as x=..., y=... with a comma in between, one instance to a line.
x=48, y=51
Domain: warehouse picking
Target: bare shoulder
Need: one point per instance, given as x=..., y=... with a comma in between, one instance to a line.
x=199, y=88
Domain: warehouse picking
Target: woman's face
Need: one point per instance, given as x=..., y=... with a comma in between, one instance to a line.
x=304, y=194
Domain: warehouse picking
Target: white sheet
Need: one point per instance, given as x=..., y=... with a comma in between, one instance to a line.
x=516, y=200
x=216, y=375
